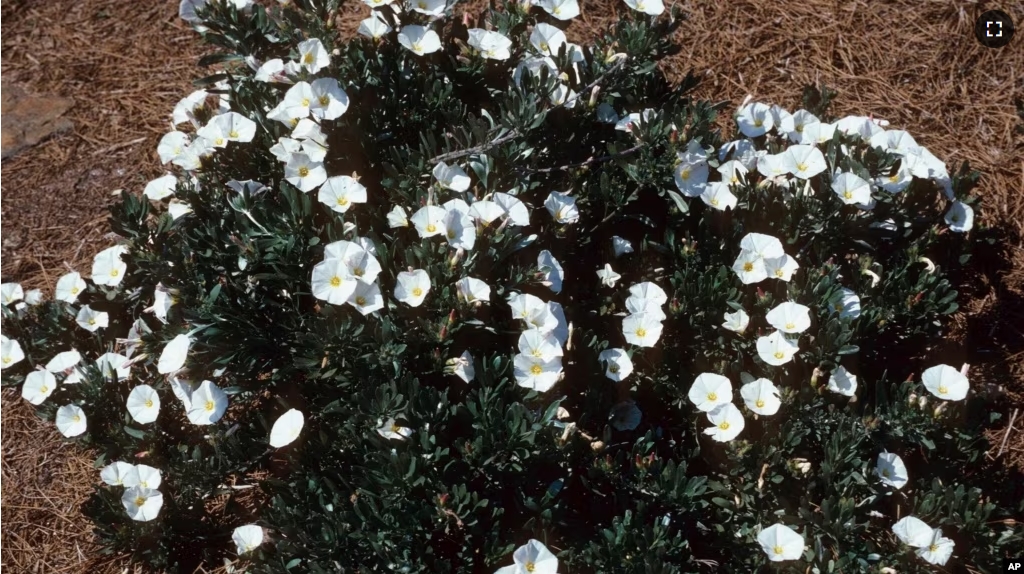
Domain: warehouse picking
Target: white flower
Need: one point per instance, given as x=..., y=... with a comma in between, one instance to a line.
x=247, y=538
x=485, y=211
x=313, y=56
x=366, y=298
x=897, y=182
x=913, y=531
x=561, y=328
x=945, y=382
x=938, y=550
x=533, y=558
x=733, y=172
x=459, y=229
x=10, y=353
x=891, y=470
x=652, y=7
x=172, y=145
x=843, y=382
x=428, y=7
x=185, y=109
x=862, y=126
x=539, y=344
x=625, y=416
x=761, y=245
x=808, y=161
x=562, y=207
x=781, y=542
x=621, y=246
x=286, y=428
x=744, y=153
x=618, y=365
x=728, y=423
x=143, y=404
x=789, y=317
x=451, y=177
x=389, y=429
x=846, y=303
x=775, y=165
x=231, y=126
x=178, y=208
x=462, y=367
x=718, y=196
x=608, y=276
x=896, y=141
x=641, y=329
x=69, y=287
x=412, y=287
x=377, y=3
x=163, y=300
x=419, y=40
x=116, y=473
x=71, y=421
x=737, y=321
x=776, y=349
x=373, y=27
x=272, y=71
x=174, y=354
x=709, y=391
x=755, y=119
x=329, y=100
x=472, y=290
x=304, y=173
x=648, y=291
x=761, y=396
x=145, y=476
x=513, y=208
x=340, y=192
x=801, y=119
x=107, y=267
x=817, y=133
x=38, y=386
x=182, y=390
x=333, y=282
x=492, y=45
x=960, y=217
x=33, y=296
x=533, y=311
x=750, y=267
x=142, y=504
x=429, y=221
x=691, y=177
x=208, y=404
x=113, y=365
x=91, y=320
x=560, y=9
x=782, y=119
x=537, y=373
x=851, y=189
x=547, y=39
x=63, y=361
x=551, y=270
x=781, y=267
x=161, y=187
x=398, y=217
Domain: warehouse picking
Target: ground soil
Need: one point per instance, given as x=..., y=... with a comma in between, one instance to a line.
x=125, y=65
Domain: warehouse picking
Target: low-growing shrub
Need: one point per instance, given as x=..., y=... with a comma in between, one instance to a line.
x=461, y=296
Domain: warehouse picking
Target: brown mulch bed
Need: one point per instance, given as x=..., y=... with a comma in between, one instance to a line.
x=125, y=65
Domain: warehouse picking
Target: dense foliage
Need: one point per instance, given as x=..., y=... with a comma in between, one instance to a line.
x=452, y=293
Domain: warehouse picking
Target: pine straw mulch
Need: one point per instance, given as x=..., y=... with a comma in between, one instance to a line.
x=125, y=65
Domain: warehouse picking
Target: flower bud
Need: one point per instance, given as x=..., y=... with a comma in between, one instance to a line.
x=937, y=412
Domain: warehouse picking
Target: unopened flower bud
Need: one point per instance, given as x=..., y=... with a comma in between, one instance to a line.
x=939, y=410
x=922, y=402
x=593, y=95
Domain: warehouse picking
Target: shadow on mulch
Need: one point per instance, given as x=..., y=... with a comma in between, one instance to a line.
x=125, y=65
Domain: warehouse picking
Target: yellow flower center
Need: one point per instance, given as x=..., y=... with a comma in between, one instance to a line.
x=778, y=273
x=790, y=326
x=885, y=473
x=779, y=354
x=712, y=396
x=218, y=141
x=76, y=419
x=139, y=501
x=208, y=406
x=149, y=403
x=417, y=292
x=358, y=271
x=943, y=390
x=92, y=321
x=361, y=301
x=7, y=360
x=324, y=100
x=759, y=403
x=342, y=201
x=530, y=566
x=734, y=179
x=838, y=306
x=233, y=134
x=44, y=389
x=451, y=234
x=303, y=171
x=422, y=5
x=536, y=370
x=724, y=425
x=544, y=46
x=74, y=290
x=685, y=174
x=801, y=167
x=305, y=102
x=847, y=195
x=748, y=266
x=431, y=228
x=416, y=47
x=335, y=281
x=308, y=58
x=114, y=272
x=758, y=123
x=613, y=369
x=395, y=427
x=777, y=550
x=640, y=6
x=955, y=218
x=799, y=128
x=894, y=177
x=558, y=214
x=556, y=11
x=294, y=122
x=641, y=332
x=714, y=202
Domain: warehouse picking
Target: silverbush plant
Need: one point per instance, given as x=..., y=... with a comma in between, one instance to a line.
x=460, y=295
